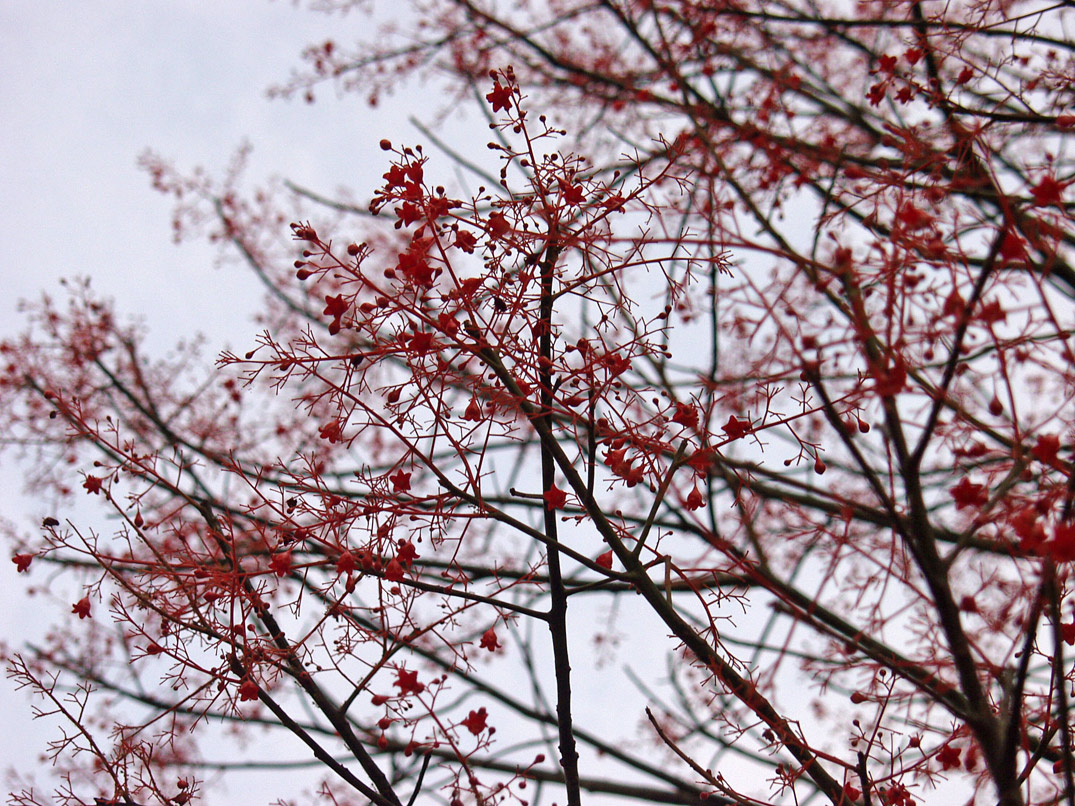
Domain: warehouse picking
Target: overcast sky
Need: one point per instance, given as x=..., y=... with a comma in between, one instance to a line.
x=84, y=89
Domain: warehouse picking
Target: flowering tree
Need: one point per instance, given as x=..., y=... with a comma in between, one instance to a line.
x=715, y=449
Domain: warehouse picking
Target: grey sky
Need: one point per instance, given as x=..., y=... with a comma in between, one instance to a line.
x=86, y=87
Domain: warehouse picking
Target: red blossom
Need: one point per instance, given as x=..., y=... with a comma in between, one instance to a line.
x=954, y=304
x=466, y=241
x=420, y=342
x=1062, y=547
x=876, y=93
x=401, y=481
x=736, y=428
x=407, y=682
x=1028, y=529
x=702, y=460
x=686, y=415
x=571, y=193
x=991, y=313
x=489, y=641
x=498, y=225
x=912, y=217
x=1012, y=248
x=406, y=553
x=408, y=213
x=473, y=411
x=1047, y=191
x=82, y=607
x=346, y=563
x=475, y=721
x=695, y=499
x=280, y=564
x=248, y=690
x=968, y=494
x=336, y=306
x=948, y=757
x=1067, y=633
x=555, y=498
x=92, y=484
x=393, y=572
x=1046, y=450
x=332, y=431
x=605, y=560
x=499, y=97
x=22, y=562
x=889, y=380
x=415, y=266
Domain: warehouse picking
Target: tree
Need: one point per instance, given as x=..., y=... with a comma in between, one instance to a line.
x=715, y=449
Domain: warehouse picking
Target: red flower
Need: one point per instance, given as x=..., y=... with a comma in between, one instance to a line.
x=474, y=411
x=475, y=721
x=948, y=757
x=890, y=380
x=401, y=482
x=335, y=306
x=420, y=342
x=407, y=553
x=1067, y=633
x=248, y=690
x=498, y=225
x=281, y=563
x=393, y=572
x=414, y=265
x=22, y=562
x=912, y=217
x=954, y=304
x=1047, y=192
x=968, y=494
x=407, y=682
x=695, y=499
x=92, y=484
x=500, y=97
x=572, y=194
x=489, y=641
x=1012, y=247
x=1031, y=534
x=82, y=607
x=990, y=313
x=605, y=560
x=331, y=431
x=1045, y=450
x=686, y=415
x=466, y=241
x=876, y=93
x=408, y=213
x=1062, y=547
x=555, y=498
x=346, y=563
x=736, y=428
x=701, y=460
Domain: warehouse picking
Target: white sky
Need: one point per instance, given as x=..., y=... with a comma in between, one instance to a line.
x=85, y=87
